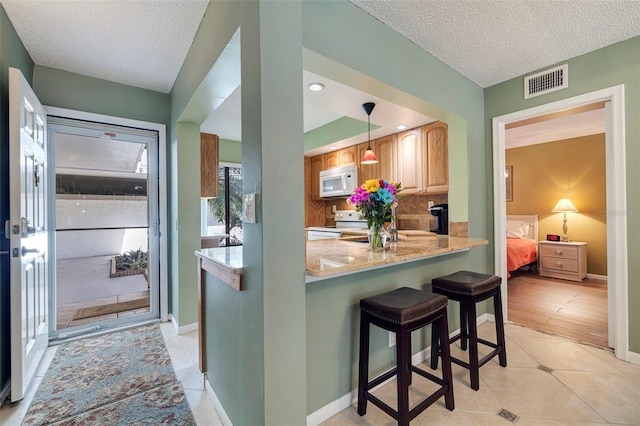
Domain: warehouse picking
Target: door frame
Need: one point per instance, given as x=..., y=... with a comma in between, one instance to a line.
x=162, y=190
x=617, y=266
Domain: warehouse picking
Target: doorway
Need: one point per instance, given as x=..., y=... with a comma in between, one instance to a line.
x=615, y=202
x=105, y=215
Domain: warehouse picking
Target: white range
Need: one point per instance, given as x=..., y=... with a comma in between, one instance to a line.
x=345, y=219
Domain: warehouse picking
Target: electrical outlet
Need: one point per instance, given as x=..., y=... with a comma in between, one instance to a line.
x=430, y=204
x=392, y=339
x=333, y=209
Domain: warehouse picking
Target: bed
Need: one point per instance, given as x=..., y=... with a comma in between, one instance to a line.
x=522, y=241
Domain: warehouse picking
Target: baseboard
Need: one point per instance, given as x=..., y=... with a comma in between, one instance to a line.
x=597, y=277
x=183, y=329
x=226, y=421
x=342, y=403
x=634, y=357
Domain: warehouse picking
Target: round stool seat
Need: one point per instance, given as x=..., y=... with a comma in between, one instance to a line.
x=467, y=282
x=403, y=305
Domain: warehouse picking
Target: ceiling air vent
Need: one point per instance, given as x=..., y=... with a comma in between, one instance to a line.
x=546, y=81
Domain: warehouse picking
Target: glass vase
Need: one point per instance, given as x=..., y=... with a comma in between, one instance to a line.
x=377, y=236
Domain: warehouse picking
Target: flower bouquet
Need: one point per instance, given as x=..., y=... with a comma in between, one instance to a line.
x=374, y=200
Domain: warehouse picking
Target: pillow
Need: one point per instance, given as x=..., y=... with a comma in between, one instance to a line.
x=517, y=229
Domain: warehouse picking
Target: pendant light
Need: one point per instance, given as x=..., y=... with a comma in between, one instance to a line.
x=369, y=157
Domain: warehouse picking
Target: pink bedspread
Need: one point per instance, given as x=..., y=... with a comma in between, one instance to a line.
x=520, y=252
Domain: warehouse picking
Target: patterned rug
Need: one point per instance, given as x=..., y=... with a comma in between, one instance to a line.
x=122, y=378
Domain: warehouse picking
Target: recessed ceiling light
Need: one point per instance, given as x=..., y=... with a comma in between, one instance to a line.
x=333, y=148
x=401, y=127
x=316, y=86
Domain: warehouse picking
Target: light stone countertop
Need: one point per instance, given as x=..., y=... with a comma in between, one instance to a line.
x=329, y=258
x=227, y=257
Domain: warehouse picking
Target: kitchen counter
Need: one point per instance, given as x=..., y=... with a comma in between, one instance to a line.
x=335, y=257
x=348, y=255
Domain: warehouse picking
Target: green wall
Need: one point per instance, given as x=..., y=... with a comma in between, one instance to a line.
x=610, y=66
x=12, y=54
x=361, y=44
x=65, y=89
x=230, y=151
x=270, y=317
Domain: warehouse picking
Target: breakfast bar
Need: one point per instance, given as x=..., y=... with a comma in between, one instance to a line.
x=338, y=274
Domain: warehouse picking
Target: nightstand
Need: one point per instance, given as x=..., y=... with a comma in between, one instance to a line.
x=567, y=261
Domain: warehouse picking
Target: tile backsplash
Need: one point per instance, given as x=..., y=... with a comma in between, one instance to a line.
x=412, y=211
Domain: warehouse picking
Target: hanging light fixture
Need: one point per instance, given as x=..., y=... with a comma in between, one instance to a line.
x=369, y=157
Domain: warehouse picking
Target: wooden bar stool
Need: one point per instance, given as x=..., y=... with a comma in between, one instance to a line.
x=402, y=311
x=469, y=288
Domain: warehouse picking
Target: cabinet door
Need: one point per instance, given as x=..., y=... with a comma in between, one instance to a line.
x=385, y=149
x=367, y=171
x=436, y=158
x=348, y=156
x=409, y=161
x=317, y=165
x=331, y=159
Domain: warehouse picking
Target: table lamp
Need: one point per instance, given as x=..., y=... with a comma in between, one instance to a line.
x=564, y=205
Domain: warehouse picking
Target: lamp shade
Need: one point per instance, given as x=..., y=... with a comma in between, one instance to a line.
x=369, y=157
x=564, y=205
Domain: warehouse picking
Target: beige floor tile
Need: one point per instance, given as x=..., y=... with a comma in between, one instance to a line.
x=614, y=396
x=534, y=393
x=609, y=357
x=202, y=409
x=535, y=421
x=437, y=418
x=374, y=416
x=561, y=354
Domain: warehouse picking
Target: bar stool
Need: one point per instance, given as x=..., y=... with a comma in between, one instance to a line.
x=469, y=288
x=402, y=311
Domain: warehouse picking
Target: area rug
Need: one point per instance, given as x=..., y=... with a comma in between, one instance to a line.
x=122, y=378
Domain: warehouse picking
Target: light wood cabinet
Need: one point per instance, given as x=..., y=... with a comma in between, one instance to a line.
x=409, y=161
x=436, y=158
x=348, y=156
x=317, y=165
x=563, y=260
x=417, y=158
x=331, y=159
x=385, y=149
x=208, y=165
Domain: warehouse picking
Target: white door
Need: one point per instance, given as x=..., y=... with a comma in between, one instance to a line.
x=27, y=228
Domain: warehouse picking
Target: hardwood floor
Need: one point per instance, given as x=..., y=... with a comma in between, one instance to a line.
x=577, y=310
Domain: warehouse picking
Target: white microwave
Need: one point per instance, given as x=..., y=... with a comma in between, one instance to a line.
x=339, y=181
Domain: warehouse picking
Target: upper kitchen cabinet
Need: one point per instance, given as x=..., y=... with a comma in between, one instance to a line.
x=331, y=160
x=436, y=158
x=409, y=161
x=385, y=149
x=348, y=156
x=317, y=165
x=342, y=157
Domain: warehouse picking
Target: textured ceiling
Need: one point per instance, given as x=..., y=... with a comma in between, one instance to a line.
x=491, y=41
x=139, y=43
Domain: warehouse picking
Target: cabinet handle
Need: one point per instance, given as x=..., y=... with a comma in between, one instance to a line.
x=559, y=264
x=558, y=252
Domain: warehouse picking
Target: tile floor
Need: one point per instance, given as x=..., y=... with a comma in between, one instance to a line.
x=582, y=385
x=549, y=381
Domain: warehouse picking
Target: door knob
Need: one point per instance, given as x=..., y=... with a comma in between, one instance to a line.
x=26, y=250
